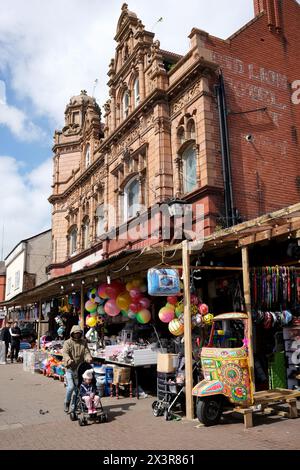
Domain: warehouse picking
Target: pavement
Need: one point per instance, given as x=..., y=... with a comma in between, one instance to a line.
x=32, y=418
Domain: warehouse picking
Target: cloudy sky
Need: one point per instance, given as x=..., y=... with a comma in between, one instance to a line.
x=49, y=51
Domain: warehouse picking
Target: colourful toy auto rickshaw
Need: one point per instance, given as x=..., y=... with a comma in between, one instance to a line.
x=226, y=374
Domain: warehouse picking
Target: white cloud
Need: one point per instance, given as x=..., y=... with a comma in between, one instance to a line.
x=55, y=49
x=17, y=121
x=24, y=209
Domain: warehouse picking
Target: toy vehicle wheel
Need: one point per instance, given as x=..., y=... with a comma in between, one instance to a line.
x=209, y=410
x=104, y=418
x=73, y=416
x=156, y=409
x=168, y=416
x=82, y=422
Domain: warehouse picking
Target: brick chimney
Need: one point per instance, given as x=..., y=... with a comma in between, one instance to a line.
x=259, y=6
x=273, y=11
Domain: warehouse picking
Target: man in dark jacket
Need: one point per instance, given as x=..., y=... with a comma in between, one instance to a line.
x=5, y=336
x=15, y=339
x=75, y=352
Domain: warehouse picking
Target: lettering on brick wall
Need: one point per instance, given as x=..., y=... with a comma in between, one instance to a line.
x=296, y=94
x=266, y=143
x=254, y=72
x=255, y=93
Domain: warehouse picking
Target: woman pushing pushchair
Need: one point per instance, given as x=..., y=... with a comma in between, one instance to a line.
x=75, y=352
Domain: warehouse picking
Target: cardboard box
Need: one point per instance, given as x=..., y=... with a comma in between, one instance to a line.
x=167, y=363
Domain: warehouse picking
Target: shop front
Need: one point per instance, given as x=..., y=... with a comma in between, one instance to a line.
x=155, y=318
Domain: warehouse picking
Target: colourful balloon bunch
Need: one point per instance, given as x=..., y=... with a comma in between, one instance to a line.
x=117, y=298
x=173, y=314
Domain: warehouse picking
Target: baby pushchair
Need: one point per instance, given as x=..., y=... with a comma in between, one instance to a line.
x=171, y=391
x=80, y=412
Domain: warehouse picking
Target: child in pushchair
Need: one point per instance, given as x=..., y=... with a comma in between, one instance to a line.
x=88, y=403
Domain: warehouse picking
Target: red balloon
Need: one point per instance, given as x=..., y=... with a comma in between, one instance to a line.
x=114, y=289
x=135, y=294
x=172, y=300
x=135, y=308
x=145, y=303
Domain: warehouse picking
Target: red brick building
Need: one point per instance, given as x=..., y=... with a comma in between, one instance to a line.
x=216, y=127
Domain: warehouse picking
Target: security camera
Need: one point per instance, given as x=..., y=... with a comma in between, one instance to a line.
x=249, y=138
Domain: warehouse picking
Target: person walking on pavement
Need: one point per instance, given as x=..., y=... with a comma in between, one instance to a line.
x=15, y=335
x=5, y=337
x=75, y=352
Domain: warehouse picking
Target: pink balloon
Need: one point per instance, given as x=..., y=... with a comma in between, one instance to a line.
x=102, y=291
x=111, y=308
x=203, y=309
x=135, y=308
x=135, y=294
x=145, y=303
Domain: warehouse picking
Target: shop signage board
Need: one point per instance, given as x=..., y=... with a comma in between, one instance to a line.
x=87, y=261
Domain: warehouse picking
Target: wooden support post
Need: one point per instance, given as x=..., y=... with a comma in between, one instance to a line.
x=293, y=411
x=82, y=307
x=248, y=419
x=39, y=326
x=247, y=295
x=187, y=332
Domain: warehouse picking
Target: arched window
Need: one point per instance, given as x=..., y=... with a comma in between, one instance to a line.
x=180, y=135
x=100, y=220
x=126, y=105
x=191, y=130
x=189, y=160
x=72, y=241
x=131, y=199
x=136, y=90
x=87, y=156
x=85, y=233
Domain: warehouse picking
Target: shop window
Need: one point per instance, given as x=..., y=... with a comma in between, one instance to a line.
x=136, y=89
x=131, y=199
x=189, y=160
x=87, y=156
x=17, y=280
x=9, y=286
x=100, y=228
x=126, y=105
x=73, y=241
x=85, y=233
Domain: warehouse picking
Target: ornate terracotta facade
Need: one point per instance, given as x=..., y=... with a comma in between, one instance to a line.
x=168, y=133
x=160, y=105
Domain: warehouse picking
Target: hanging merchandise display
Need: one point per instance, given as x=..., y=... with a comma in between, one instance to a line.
x=271, y=286
x=274, y=295
x=163, y=282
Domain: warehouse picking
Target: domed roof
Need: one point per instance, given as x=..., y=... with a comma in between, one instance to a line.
x=83, y=98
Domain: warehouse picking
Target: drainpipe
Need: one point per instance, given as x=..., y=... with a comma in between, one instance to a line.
x=225, y=150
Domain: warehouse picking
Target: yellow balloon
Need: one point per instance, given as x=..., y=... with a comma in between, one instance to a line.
x=92, y=321
x=129, y=286
x=136, y=283
x=123, y=301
